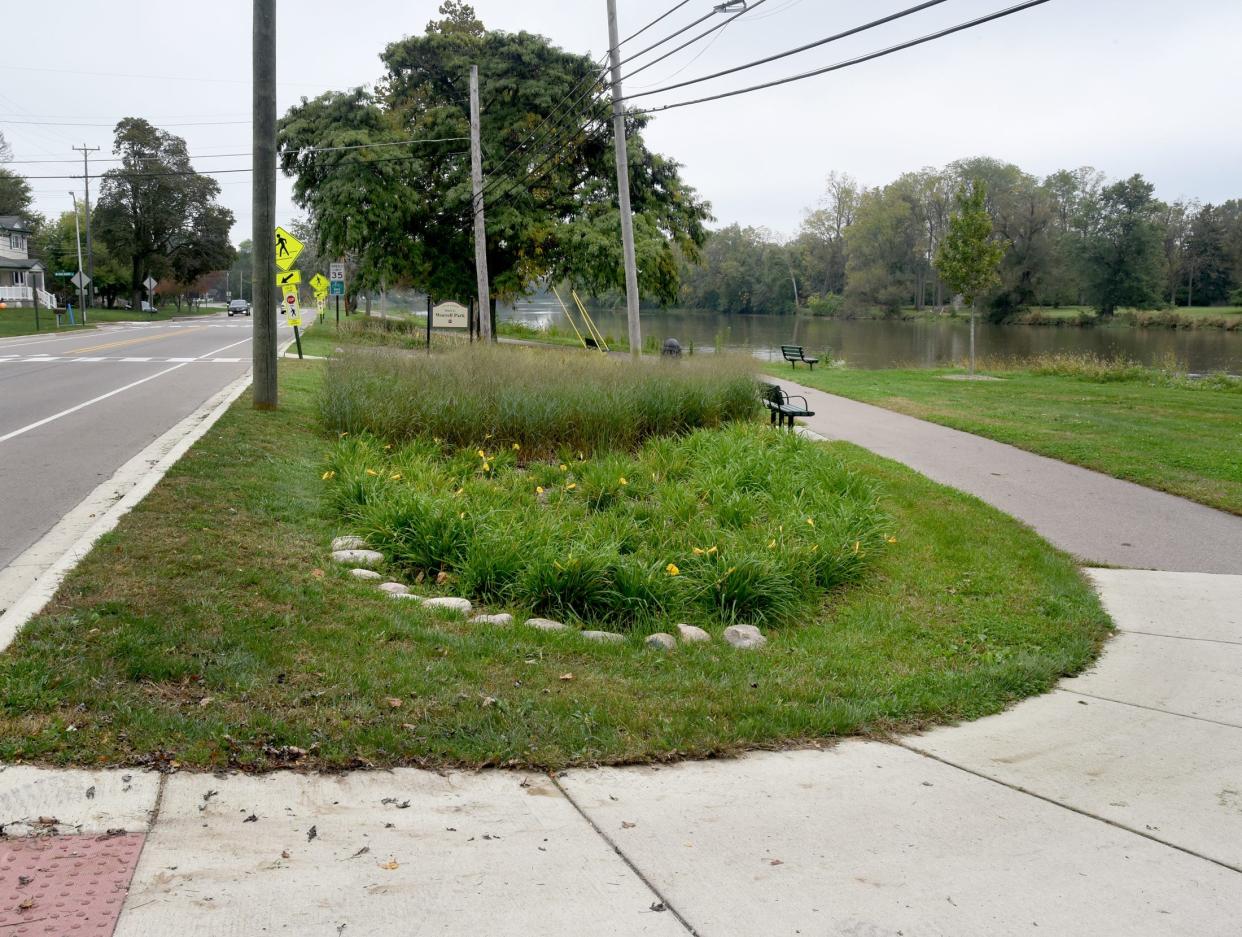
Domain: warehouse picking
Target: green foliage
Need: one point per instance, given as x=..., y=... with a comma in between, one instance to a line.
x=408, y=219
x=968, y=255
x=543, y=400
x=1123, y=253
x=154, y=211
x=731, y=525
x=742, y=271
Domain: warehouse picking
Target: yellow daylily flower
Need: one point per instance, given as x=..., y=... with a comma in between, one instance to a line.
x=564, y=467
x=622, y=480
x=462, y=514
x=387, y=445
x=698, y=552
x=482, y=454
x=570, y=487
x=343, y=435
x=810, y=522
x=539, y=489
x=517, y=448
x=395, y=476
x=891, y=540
x=711, y=551
x=487, y=466
x=672, y=569
x=814, y=548
x=328, y=474
x=772, y=545
x=372, y=472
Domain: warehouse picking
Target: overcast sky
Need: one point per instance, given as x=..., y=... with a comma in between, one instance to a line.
x=1124, y=85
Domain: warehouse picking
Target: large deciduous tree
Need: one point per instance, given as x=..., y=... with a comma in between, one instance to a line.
x=400, y=205
x=1124, y=251
x=157, y=212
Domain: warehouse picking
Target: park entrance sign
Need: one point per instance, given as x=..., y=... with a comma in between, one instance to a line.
x=450, y=315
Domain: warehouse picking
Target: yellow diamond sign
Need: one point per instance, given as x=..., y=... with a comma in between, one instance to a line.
x=287, y=248
x=319, y=283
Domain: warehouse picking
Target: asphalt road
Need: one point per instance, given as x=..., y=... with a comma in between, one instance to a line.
x=77, y=406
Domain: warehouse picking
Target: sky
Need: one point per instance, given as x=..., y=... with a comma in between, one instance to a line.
x=1123, y=85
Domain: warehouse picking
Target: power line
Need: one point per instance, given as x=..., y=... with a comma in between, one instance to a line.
x=692, y=41
x=849, y=62
x=215, y=172
x=310, y=149
x=66, y=123
x=667, y=13
x=909, y=11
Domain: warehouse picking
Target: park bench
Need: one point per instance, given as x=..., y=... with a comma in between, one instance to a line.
x=782, y=406
x=794, y=353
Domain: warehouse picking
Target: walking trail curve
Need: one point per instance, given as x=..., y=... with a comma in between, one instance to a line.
x=1110, y=806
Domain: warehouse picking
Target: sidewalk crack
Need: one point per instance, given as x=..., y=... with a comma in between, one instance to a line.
x=668, y=905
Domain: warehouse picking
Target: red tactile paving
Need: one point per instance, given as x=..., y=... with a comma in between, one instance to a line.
x=65, y=886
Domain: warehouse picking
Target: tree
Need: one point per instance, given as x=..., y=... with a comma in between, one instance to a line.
x=402, y=210
x=883, y=246
x=742, y=270
x=1124, y=253
x=15, y=198
x=157, y=212
x=820, y=247
x=969, y=256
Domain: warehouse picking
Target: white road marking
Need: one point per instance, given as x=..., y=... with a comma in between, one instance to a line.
x=112, y=393
x=135, y=360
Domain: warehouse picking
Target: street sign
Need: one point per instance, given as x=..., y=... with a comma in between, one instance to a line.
x=336, y=272
x=287, y=248
x=289, y=278
x=450, y=315
x=149, y=283
x=290, y=306
x=338, y=288
x=80, y=280
x=319, y=283
x=63, y=273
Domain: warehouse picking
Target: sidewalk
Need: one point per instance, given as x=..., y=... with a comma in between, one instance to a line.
x=1111, y=806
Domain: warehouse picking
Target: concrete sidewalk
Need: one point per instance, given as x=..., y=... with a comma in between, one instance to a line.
x=1097, y=518
x=1112, y=806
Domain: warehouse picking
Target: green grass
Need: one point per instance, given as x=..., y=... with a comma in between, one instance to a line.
x=1151, y=427
x=546, y=400
x=22, y=321
x=732, y=526
x=210, y=630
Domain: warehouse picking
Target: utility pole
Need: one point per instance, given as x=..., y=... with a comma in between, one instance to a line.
x=480, y=227
x=623, y=185
x=77, y=230
x=90, y=250
x=263, y=235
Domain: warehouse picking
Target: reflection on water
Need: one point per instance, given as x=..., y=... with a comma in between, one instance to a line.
x=878, y=343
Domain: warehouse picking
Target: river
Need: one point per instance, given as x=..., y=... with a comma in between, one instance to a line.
x=882, y=343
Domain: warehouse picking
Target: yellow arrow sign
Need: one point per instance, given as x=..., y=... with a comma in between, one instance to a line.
x=287, y=248
x=289, y=278
x=319, y=282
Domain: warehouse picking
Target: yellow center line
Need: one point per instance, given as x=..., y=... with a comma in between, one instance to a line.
x=135, y=341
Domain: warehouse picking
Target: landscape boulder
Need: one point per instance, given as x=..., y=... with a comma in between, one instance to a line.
x=367, y=575
x=745, y=637
x=349, y=542
x=546, y=624
x=604, y=637
x=504, y=618
x=661, y=641
x=692, y=634
x=394, y=588
x=449, y=604
x=358, y=557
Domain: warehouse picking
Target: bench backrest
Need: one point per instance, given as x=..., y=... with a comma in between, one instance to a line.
x=773, y=393
x=791, y=351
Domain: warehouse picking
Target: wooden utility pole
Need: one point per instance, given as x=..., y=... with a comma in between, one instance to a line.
x=263, y=232
x=90, y=250
x=480, y=227
x=623, y=185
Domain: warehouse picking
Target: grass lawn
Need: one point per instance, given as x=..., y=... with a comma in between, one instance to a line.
x=210, y=630
x=22, y=321
x=1173, y=435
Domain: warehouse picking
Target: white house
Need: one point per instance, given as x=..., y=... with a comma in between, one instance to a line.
x=21, y=276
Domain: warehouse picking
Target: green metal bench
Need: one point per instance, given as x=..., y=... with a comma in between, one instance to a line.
x=782, y=406
x=795, y=353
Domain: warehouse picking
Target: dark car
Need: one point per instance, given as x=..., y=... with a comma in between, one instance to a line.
x=239, y=307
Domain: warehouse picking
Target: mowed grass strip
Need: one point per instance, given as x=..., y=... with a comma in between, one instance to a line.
x=1146, y=426
x=210, y=630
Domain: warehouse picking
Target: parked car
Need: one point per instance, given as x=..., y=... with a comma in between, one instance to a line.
x=238, y=307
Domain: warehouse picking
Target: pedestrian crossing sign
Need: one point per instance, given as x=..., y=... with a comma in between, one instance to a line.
x=319, y=283
x=287, y=248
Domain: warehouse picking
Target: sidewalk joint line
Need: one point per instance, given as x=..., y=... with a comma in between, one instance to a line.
x=1154, y=709
x=668, y=905
x=1178, y=637
x=1070, y=807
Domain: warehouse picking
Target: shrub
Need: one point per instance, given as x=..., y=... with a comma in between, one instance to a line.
x=545, y=401
x=740, y=524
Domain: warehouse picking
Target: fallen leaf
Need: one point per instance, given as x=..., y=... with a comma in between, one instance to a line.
x=317, y=573
x=206, y=701
x=390, y=864
x=284, y=854
x=489, y=701
x=312, y=833
x=567, y=677
x=394, y=702
x=627, y=825
x=26, y=904
x=776, y=862
x=253, y=818
x=441, y=578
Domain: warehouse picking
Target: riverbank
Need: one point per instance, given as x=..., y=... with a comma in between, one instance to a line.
x=211, y=630
x=1147, y=426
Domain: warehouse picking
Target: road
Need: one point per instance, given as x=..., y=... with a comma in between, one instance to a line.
x=76, y=407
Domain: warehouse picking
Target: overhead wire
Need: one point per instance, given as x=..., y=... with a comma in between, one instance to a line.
x=857, y=60
x=884, y=20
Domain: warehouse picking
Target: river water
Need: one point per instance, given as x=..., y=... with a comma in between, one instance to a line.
x=881, y=343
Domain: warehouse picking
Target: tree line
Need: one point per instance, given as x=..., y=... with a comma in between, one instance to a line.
x=154, y=216
x=1073, y=237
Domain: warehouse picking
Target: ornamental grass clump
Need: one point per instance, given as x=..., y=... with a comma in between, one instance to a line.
x=733, y=525
x=545, y=400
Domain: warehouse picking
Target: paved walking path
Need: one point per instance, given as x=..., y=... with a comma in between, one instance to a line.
x=1111, y=806
x=1097, y=518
